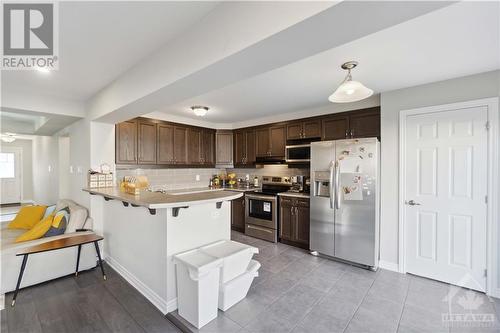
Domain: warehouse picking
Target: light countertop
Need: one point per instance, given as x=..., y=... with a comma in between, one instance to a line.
x=294, y=194
x=176, y=198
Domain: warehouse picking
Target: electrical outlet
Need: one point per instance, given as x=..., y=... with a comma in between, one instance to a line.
x=197, y=178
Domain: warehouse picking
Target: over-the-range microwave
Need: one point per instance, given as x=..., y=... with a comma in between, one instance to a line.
x=298, y=153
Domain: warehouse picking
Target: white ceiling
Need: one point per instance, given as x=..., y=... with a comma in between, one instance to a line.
x=33, y=123
x=100, y=40
x=455, y=41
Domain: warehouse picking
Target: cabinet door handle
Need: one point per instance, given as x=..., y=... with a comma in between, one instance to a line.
x=291, y=210
x=346, y=134
x=352, y=133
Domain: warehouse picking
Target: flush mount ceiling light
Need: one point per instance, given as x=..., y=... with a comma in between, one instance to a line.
x=349, y=90
x=8, y=137
x=199, y=110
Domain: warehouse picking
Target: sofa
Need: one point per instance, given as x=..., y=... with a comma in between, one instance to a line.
x=45, y=266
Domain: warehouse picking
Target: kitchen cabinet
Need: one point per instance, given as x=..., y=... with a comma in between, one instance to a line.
x=354, y=124
x=262, y=142
x=365, y=124
x=294, y=221
x=180, y=145
x=307, y=129
x=171, y=144
x=271, y=141
x=244, y=148
x=334, y=128
x=194, y=146
x=126, y=142
x=207, y=147
x=286, y=219
x=278, y=141
x=146, y=142
x=224, y=148
x=238, y=214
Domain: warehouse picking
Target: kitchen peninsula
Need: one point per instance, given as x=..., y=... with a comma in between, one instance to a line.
x=144, y=231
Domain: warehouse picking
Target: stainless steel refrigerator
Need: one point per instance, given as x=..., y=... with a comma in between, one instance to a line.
x=345, y=200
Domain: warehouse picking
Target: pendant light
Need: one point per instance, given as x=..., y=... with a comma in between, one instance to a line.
x=349, y=90
x=199, y=110
x=8, y=137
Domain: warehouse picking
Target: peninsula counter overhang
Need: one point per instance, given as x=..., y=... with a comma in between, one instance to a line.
x=158, y=200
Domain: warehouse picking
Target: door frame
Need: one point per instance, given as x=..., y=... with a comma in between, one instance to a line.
x=19, y=150
x=492, y=284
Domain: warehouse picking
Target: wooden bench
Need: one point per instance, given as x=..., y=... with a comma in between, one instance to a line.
x=57, y=245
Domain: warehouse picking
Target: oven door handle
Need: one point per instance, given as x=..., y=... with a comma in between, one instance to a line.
x=261, y=197
x=249, y=226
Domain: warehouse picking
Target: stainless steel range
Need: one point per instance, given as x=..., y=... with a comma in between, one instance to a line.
x=261, y=215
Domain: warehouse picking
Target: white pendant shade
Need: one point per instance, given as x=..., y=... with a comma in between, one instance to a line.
x=350, y=91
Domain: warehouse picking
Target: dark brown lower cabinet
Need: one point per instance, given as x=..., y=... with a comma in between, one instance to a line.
x=294, y=221
x=238, y=214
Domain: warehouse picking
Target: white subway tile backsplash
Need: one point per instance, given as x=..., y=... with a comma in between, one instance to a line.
x=186, y=178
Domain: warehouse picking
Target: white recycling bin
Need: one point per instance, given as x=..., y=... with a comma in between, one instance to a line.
x=235, y=290
x=197, y=286
x=236, y=257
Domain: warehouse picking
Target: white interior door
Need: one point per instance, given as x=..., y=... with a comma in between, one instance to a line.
x=10, y=175
x=446, y=186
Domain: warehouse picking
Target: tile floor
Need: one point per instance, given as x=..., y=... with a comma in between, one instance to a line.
x=297, y=292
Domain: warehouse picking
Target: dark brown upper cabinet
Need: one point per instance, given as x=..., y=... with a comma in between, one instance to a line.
x=306, y=129
x=165, y=146
x=194, y=150
x=180, y=145
x=365, y=124
x=224, y=148
x=208, y=147
x=146, y=142
x=335, y=127
x=277, y=140
x=126, y=142
x=270, y=141
x=172, y=144
x=262, y=142
x=244, y=148
x=354, y=124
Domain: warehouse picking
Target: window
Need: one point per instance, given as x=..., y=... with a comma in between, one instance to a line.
x=7, y=165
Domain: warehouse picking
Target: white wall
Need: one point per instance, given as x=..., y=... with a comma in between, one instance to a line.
x=45, y=169
x=64, y=146
x=26, y=146
x=450, y=91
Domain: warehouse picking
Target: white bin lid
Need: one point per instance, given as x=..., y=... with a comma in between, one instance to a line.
x=226, y=248
x=198, y=262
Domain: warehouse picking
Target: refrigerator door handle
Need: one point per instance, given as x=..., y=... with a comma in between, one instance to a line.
x=337, y=182
x=332, y=190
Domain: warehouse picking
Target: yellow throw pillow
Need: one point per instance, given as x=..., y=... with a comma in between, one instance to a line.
x=27, y=217
x=38, y=231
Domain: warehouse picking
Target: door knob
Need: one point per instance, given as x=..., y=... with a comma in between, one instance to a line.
x=412, y=203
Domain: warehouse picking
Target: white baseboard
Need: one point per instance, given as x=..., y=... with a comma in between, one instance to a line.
x=390, y=266
x=494, y=292
x=28, y=201
x=172, y=305
x=153, y=297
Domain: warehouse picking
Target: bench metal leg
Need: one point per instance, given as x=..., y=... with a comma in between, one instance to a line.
x=100, y=260
x=78, y=259
x=23, y=266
